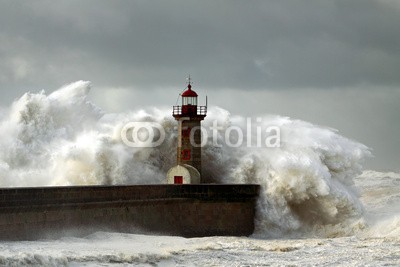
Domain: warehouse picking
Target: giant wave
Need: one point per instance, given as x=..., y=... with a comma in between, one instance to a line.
x=307, y=184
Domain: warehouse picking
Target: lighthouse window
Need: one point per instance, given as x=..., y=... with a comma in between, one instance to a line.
x=186, y=154
x=189, y=101
x=186, y=132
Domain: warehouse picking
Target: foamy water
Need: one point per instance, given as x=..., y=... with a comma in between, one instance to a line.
x=309, y=189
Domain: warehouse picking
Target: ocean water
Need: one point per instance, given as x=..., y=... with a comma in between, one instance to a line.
x=316, y=207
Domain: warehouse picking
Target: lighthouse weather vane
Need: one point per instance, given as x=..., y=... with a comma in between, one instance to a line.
x=189, y=80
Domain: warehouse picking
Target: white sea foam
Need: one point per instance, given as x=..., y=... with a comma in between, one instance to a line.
x=117, y=249
x=380, y=194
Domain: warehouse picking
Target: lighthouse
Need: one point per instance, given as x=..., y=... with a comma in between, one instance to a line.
x=189, y=116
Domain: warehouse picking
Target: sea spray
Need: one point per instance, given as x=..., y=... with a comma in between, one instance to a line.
x=64, y=139
x=380, y=194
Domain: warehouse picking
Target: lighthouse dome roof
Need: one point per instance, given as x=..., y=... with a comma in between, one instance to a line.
x=189, y=92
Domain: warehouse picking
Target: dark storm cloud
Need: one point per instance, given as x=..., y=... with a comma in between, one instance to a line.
x=237, y=44
x=319, y=60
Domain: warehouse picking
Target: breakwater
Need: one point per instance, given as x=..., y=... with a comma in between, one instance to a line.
x=184, y=210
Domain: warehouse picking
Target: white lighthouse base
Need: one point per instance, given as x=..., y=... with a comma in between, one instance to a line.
x=183, y=174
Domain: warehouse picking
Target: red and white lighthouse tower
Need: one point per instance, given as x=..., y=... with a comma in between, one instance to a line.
x=189, y=116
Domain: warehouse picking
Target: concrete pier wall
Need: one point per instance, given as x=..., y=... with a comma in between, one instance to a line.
x=185, y=210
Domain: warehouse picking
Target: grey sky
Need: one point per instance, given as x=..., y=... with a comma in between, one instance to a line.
x=334, y=63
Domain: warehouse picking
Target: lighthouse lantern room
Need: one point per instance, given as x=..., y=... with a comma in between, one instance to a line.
x=189, y=116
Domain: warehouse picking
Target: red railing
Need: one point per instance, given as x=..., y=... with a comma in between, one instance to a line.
x=177, y=110
x=201, y=110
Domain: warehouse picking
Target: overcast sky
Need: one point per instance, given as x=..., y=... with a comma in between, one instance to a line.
x=333, y=63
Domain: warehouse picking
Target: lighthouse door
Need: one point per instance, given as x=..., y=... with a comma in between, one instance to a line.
x=178, y=179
